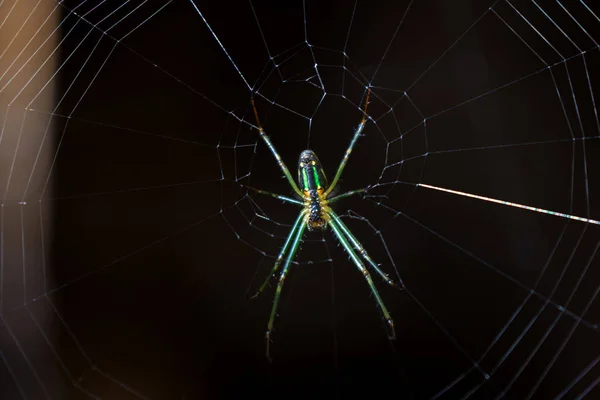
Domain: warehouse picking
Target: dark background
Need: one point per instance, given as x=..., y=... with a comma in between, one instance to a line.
x=156, y=247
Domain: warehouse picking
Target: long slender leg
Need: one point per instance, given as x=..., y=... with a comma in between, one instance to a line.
x=282, y=165
x=335, y=228
x=277, y=196
x=360, y=128
x=284, y=272
x=358, y=247
x=281, y=253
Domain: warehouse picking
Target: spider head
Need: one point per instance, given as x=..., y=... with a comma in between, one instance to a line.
x=310, y=173
x=317, y=217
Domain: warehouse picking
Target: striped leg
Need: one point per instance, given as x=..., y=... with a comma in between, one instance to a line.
x=294, y=247
x=340, y=235
x=282, y=165
x=359, y=248
x=293, y=231
x=360, y=128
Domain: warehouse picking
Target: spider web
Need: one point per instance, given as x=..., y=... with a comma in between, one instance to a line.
x=129, y=245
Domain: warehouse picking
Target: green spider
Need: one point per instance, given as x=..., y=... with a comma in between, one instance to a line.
x=316, y=214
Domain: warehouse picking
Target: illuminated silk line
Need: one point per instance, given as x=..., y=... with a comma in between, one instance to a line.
x=508, y=203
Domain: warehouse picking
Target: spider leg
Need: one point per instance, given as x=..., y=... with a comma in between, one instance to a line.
x=359, y=248
x=347, y=194
x=281, y=253
x=269, y=144
x=360, y=128
x=294, y=247
x=277, y=196
x=358, y=263
x=357, y=191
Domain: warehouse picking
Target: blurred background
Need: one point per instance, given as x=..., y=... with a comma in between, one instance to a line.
x=129, y=248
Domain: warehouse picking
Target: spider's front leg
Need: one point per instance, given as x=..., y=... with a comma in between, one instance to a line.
x=339, y=233
x=293, y=249
x=288, y=240
x=361, y=250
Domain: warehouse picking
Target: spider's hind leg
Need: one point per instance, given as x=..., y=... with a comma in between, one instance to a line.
x=346, y=157
x=269, y=144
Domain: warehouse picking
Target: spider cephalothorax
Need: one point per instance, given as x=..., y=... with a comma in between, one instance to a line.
x=316, y=213
x=313, y=184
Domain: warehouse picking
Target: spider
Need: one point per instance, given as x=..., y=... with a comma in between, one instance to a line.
x=316, y=214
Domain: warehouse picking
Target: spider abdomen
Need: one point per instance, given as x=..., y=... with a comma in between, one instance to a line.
x=313, y=182
x=311, y=176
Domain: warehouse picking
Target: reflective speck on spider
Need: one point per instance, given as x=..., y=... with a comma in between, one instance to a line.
x=316, y=214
